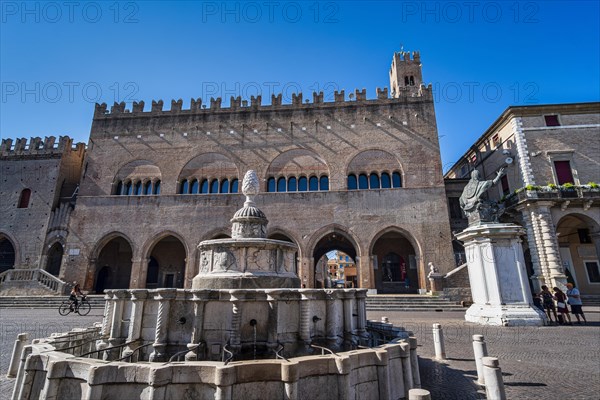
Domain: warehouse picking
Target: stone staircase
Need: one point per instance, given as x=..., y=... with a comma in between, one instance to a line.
x=590, y=300
x=402, y=302
x=96, y=301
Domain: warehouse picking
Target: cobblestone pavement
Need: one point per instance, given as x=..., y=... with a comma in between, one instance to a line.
x=553, y=362
x=550, y=362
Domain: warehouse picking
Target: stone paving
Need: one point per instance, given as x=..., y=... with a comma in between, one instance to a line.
x=553, y=362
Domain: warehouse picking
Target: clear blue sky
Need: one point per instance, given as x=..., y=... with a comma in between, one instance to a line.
x=58, y=59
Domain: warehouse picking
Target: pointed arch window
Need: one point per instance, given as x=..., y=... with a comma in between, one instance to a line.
x=119, y=190
x=24, y=198
x=157, y=187
x=313, y=184
x=138, y=188
x=128, y=188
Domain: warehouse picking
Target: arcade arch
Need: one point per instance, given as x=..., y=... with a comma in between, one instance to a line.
x=333, y=242
x=166, y=264
x=113, y=265
x=395, y=262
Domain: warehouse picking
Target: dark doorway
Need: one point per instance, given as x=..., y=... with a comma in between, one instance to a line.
x=102, y=279
x=7, y=255
x=396, y=268
x=115, y=256
x=55, y=255
x=166, y=268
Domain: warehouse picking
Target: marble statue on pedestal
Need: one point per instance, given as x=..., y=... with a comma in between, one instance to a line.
x=497, y=273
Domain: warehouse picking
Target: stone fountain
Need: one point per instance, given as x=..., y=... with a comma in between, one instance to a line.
x=244, y=330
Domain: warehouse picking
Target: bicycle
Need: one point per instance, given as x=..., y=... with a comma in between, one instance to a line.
x=68, y=306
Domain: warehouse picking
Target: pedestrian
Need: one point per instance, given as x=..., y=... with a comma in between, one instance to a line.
x=561, y=305
x=548, y=303
x=574, y=300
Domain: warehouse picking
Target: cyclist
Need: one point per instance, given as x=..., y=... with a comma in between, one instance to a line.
x=76, y=290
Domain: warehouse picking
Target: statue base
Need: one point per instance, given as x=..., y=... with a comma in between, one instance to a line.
x=497, y=276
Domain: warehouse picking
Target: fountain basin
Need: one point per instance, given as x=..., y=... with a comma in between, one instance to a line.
x=246, y=263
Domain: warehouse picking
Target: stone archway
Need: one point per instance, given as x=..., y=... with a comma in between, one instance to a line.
x=579, y=245
x=113, y=265
x=328, y=247
x=167, y=263
x=395, y=263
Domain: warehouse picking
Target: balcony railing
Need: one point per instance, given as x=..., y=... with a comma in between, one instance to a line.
x=583, y=193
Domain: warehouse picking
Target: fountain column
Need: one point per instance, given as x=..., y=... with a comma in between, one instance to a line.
x=273, y=297
x=104, y=331
x=305, y=318
x=199, y=298
x=164, y=297
x=138, y=298
x=331, y=310
x=348, y=319
x=235, y=339
x=361, y=309
x=117, y=319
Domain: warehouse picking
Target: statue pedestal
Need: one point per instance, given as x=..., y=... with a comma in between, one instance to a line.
x=498, y=277
x=436, y=282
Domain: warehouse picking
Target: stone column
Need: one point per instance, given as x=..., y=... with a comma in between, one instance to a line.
x=191, y=271
x=164, y=297
x=331, y=312
x=347, y=297
x=138, y=299
x=115, y=338
x=22, y=340
x=139, y=272
x=199, y=298
x=235, y=339
x=361, y=308
x=106, y=321
x=538, y=277
x=305, y=318
x=273, y=297
x=550, y=245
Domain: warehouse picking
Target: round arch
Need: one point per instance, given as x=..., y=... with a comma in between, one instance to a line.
x=329, y=238
x=397, y=255
x=578, y=238
x=363, y=161
x=14, y=243
x=137, y=171
x=297, y=163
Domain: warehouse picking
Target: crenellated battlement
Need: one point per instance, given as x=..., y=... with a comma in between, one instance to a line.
x=298, y=101
x=37, y=146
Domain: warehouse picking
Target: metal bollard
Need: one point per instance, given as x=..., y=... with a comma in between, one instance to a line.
x=22, y=340
x=419, y=394
x=480, y=351
x=438, y=342
x=494, y=385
